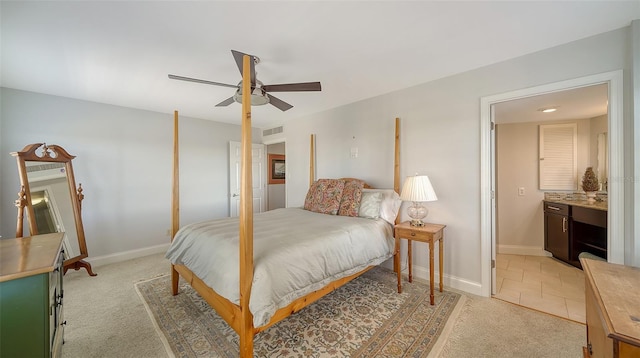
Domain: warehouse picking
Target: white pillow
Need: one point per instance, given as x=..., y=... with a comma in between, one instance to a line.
x=370, y=205
x=390, y=205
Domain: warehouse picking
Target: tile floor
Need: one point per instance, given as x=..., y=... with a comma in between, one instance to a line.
x=542, y=283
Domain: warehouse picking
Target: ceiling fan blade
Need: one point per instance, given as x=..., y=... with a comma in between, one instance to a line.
x=280, y=104
x=237, y=55
x=189, y=79
x=293, y=87
x=226, y=102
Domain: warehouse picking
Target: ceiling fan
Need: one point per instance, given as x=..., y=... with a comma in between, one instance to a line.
x=259, y=90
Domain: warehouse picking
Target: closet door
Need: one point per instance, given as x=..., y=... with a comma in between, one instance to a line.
x=258, y=172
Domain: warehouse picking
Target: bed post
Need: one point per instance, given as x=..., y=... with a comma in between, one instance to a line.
x=396, y=164
x=396, y=187
x=312, y=162
x=246, y=331
x=175, y=200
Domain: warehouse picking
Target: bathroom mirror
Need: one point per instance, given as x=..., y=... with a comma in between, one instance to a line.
x=51, y=200
x=603, y=164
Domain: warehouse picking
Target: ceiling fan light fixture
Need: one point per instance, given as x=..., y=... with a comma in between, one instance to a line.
x=257, y=99
x=258, y=95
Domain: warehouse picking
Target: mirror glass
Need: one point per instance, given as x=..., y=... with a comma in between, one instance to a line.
x=603, y=164
x=51, y=201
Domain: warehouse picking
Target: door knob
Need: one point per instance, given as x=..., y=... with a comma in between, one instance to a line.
x=234, y=195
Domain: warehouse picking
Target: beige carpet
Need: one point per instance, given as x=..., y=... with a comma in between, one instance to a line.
x=491, y=328
x=364, y=318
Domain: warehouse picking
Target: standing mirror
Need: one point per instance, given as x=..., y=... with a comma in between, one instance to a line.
x=51, y=200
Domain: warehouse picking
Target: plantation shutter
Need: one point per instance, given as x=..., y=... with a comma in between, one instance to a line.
x=558, y=156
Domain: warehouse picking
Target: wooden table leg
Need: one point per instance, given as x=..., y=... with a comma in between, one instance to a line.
x=396, y=264
x=431, y=297
x=410, y=255
x=440, y=254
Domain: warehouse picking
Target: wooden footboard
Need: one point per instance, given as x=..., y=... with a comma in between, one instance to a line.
x=230, y=312
x=310, y=298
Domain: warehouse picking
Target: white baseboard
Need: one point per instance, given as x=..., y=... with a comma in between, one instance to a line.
x=522, y=250
x=127, y=255
x=422, y=273
x=448, y=280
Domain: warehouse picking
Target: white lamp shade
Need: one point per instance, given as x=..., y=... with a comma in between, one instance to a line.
x=418, y=188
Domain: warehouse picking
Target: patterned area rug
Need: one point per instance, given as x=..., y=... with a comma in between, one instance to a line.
x=364, y=318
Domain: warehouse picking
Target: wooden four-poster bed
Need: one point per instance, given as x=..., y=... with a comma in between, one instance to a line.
x=237, y=311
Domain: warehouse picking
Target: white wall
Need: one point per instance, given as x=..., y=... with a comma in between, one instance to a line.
x=124, y=162
x=441, y=138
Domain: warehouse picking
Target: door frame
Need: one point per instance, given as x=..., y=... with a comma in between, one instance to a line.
x=616, y=214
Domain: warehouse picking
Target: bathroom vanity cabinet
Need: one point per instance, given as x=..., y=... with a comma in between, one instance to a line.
x=572, y=227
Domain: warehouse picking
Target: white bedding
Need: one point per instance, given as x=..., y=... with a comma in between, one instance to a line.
x=295, y=252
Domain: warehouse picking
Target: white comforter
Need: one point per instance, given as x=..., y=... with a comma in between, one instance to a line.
x=295, y=252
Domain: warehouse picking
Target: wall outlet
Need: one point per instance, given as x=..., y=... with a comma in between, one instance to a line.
x=521, y=191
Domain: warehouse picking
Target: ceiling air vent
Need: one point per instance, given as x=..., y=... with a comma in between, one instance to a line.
x=272, y=131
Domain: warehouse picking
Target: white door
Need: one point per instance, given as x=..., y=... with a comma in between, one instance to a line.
x=258, y=172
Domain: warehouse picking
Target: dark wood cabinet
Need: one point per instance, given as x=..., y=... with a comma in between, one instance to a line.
x=31, y=319
x=556, y=230
x=572, y=229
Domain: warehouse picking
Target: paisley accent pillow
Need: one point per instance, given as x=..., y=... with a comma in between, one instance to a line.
x=324, y=196
x=351, y=197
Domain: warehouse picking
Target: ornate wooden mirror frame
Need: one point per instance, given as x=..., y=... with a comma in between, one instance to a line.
x=52, y=154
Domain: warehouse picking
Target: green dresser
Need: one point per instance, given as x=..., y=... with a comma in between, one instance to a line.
x=31, y=319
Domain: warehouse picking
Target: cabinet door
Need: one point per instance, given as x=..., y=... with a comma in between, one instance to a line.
x=597, y=342
x=556, y=236
x=24, y=317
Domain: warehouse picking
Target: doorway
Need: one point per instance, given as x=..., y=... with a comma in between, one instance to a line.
x=526, y=275
x=615, y=163
x=277, y=181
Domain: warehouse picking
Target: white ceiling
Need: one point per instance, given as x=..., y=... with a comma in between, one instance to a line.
x=579, y=103
x=120, y=52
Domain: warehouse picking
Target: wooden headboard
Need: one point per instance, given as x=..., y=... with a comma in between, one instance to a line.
x=366, y=186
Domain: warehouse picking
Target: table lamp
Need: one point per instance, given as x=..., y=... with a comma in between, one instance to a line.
x=417, y=189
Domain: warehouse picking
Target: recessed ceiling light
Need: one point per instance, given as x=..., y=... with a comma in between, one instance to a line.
x=548, y=110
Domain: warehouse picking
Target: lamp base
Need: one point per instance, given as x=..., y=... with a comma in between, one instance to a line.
x=418, y=223
x=417, y=212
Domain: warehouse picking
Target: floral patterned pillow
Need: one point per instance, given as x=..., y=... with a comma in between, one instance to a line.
x=324, y=196
x=351, y=197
